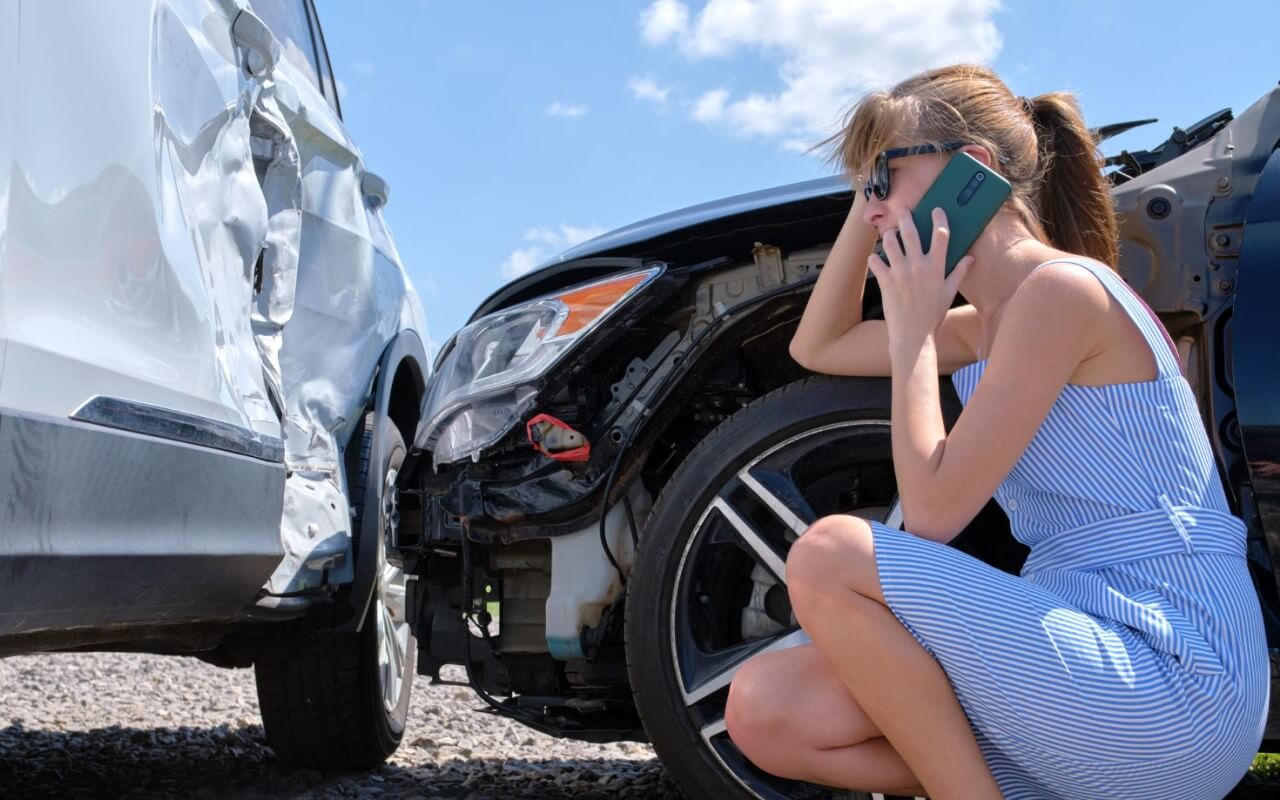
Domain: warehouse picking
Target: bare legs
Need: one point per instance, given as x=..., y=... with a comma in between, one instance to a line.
x=901, y=714
x=791, y=715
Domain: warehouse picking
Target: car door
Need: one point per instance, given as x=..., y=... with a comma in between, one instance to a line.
x=141, y=461
x=348, y=300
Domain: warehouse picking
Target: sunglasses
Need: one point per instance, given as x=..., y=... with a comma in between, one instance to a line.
x=879, y=180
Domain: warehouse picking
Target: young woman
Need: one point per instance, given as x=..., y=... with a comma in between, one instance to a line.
x=1128, y=660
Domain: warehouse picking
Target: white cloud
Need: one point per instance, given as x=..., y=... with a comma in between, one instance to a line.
x=342, y=90
x=571, y=234
x=710, y=107
x=647, y=88
x=663, y=20
x=569, y=110
x=831, y=53
x=365, y=68
x=545, y=236
x=522, y=260
x=546, y=242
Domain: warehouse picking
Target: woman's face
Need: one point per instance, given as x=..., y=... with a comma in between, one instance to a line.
x=909, y=178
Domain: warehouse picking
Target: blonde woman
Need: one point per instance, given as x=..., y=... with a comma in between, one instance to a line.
x=1128, y=660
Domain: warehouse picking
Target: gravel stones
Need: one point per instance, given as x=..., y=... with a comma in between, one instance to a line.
x=124, y=725
x=91, y=725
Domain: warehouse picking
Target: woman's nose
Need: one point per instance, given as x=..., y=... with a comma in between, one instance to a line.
x=873, y=210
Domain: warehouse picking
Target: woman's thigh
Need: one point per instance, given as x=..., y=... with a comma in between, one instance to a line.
x=793, y=698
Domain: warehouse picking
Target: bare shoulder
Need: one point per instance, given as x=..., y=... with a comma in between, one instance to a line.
x=1060, y=306
x=1062, y=290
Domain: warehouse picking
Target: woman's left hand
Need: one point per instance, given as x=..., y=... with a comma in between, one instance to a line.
x=913, y=290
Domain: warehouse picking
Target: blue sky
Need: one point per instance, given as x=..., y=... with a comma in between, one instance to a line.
x=509, y=131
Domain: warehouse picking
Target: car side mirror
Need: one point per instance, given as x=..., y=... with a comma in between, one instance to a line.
x=376, y=191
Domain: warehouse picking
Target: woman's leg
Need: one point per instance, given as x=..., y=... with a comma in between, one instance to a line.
x=791, y=715
x=835, y=592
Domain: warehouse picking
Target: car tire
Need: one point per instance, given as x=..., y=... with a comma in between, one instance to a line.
x=694, y=600
x=339, y=700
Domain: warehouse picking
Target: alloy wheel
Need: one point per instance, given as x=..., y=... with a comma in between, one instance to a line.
x=730, y=601
x=392, y=622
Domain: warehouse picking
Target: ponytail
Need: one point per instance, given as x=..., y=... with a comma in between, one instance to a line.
x=1042, y=146
x=1074, y=199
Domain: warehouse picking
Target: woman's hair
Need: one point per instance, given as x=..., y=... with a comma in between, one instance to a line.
x=1040, y=146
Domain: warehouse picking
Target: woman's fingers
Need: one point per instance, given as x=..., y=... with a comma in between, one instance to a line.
x=941, y=237
x=877, y=266
x=956, y=277
x=910, y=236
x=892, y=247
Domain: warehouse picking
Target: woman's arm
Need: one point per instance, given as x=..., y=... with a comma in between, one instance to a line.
x=835, y=305
x=834, y=339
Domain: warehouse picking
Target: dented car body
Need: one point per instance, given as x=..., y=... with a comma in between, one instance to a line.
x=626, y=497
x=205, y=333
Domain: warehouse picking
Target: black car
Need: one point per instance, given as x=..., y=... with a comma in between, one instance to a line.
x=617, y=450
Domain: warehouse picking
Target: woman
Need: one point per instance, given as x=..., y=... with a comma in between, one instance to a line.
x=1128, y=660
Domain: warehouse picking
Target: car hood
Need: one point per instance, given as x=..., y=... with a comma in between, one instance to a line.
x=656, y=237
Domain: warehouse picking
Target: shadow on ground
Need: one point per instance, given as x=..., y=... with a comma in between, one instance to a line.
x=207, y=763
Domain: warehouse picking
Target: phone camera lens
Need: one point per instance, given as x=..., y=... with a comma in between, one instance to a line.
x=980, y=176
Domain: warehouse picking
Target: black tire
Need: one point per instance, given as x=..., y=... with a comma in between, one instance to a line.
x=322, y=695
x=676, y=641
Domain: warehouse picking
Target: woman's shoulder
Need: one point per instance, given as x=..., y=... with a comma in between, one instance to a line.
x=1066, y=278
x=1064, y=294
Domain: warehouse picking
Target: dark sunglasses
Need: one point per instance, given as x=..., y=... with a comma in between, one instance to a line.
x=878, y=182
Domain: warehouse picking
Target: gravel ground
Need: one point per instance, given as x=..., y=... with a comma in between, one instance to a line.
x=126, y=725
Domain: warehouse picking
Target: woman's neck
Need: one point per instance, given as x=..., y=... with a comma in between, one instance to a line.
x=1003, y=256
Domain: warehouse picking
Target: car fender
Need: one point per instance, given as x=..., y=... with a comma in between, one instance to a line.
x=404, y=350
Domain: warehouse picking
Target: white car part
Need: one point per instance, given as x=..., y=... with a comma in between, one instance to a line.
x=583, y=582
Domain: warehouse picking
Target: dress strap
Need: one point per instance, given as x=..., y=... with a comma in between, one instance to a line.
x=1152, y=329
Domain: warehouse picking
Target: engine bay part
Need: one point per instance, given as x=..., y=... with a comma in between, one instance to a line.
x=583, y=581
x=556, y=440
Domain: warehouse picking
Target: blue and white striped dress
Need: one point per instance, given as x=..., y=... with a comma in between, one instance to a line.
x=1128, y=660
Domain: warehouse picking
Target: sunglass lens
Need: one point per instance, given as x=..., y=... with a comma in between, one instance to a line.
x=880, y=177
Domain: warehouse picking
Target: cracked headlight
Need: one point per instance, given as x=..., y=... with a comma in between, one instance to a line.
x=488, y=381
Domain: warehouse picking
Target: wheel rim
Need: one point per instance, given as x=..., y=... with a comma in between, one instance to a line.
x=742, y=535
x=392, y=622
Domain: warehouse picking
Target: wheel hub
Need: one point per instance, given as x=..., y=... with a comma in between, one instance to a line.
x=392, y=622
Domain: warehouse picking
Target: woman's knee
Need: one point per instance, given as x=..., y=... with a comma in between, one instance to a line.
x=835, y=552
x=771, y=706
x=756, y=715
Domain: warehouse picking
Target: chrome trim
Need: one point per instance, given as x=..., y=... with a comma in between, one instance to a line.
x=164, y=423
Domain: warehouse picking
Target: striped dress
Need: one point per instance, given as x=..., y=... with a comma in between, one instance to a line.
x=1128, y=660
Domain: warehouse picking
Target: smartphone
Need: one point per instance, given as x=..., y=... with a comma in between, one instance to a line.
x=970, y=194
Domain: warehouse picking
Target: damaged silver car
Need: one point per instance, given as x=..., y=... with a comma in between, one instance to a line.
x=211, y=361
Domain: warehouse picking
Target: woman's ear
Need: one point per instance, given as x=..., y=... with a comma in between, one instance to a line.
x=979, y=152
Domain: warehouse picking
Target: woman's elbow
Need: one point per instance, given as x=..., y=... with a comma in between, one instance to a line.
x=935, y=527
x=800, y=354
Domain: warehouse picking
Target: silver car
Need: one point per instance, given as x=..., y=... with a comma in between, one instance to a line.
x=210, y=361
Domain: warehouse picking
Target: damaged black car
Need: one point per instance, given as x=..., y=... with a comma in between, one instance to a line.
x=617, y=450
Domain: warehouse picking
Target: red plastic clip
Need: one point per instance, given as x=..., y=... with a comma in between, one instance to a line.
x=546, y=431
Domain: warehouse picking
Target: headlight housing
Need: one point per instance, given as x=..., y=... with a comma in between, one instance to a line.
x=490, y=378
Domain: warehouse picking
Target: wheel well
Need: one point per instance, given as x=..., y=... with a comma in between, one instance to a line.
x=404, y=405
x=750, y=360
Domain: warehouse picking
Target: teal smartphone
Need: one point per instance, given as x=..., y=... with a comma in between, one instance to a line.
x=970, y=194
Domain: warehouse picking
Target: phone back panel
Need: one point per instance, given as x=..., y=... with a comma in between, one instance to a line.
x=969, y=202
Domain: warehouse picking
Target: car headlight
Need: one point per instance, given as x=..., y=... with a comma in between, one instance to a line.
x=489, y=379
